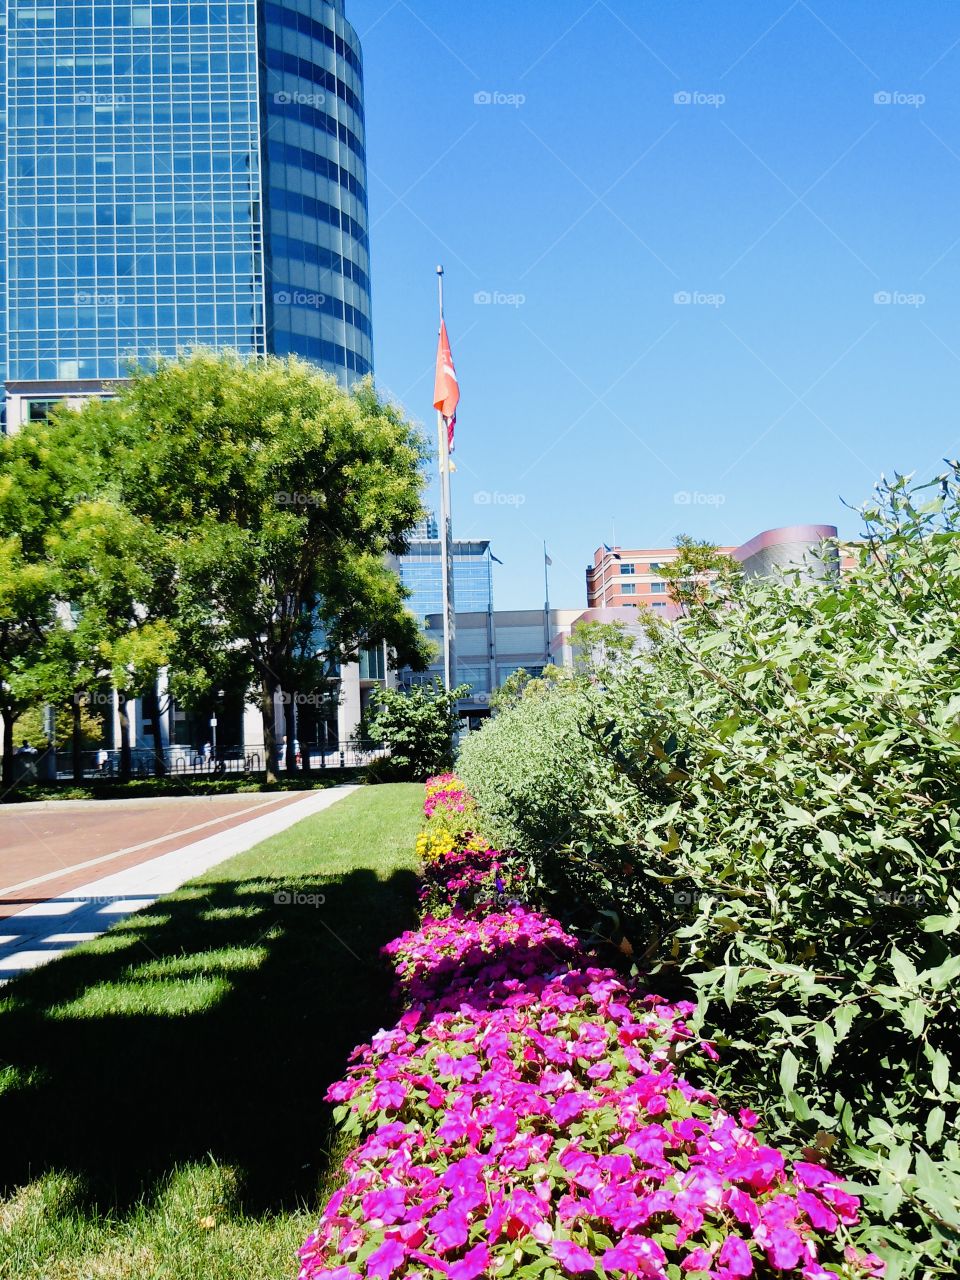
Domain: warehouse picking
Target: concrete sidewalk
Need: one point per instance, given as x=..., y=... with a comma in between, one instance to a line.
x=45, y=930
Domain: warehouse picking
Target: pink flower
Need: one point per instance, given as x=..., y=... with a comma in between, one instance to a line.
x=867, y=1263
x=822, y=1217
x=637, y=1255
x=736, y=1257
x=698, y=1259
x=451, y=1229
x=388, y=1258
x=472, y=1265
x=573, y=1257
x=784, y=1247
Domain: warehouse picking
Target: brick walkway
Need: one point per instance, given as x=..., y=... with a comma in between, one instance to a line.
x=69, y=869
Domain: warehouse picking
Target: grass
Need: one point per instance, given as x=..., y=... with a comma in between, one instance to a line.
x=177, y=785
x=161, y=1086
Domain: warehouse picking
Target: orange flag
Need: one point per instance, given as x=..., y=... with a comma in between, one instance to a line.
x=446, y=388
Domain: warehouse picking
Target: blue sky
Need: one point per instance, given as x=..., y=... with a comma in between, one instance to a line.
x=813, y=172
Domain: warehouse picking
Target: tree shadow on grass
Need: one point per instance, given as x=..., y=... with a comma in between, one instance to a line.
x=209, y=1025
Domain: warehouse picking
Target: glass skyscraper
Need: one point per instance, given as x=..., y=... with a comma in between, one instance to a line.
x=178, y=174
x=420, y=571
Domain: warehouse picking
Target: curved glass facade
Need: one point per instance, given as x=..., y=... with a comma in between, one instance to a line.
x=179, y=174
x=318, y=263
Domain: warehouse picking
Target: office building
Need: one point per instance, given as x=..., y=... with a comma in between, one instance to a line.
x=175, y=175
x=421, y=573
x=627, y=577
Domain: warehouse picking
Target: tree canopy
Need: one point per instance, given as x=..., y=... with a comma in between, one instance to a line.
x=229, y=517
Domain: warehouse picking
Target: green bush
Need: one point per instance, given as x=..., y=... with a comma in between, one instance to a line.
x=418, y=727
x=768, y=805
x=525, y=770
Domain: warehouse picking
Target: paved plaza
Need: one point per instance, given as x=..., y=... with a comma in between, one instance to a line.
x=69, y=869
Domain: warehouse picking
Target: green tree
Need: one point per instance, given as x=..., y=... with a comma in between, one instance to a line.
x=278, y=496
x=417, y=726
x=600, y=649
x=700, y=573
x=521, y=684
x=106, y=572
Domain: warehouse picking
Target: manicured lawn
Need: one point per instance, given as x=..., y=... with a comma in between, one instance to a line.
x=161, y=1088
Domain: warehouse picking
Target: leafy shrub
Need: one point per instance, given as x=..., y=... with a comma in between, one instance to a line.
x=418, y=726
x=769, y=805
x=525, y=768
x=527, y=1117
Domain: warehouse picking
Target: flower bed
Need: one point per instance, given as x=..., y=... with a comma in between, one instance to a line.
x=527, y=1116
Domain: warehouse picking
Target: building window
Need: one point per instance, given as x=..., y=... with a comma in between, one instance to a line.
x=628, y=589
x=628, y=568
x=659, y=604
x=39, y=410
x=658, y=587
x=653, y=567
x=371, y=663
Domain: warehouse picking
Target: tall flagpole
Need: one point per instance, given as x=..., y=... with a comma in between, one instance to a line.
x=446, y=538
x=546, y=605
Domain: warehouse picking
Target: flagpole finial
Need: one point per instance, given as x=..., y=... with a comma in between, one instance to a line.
x=439, y=269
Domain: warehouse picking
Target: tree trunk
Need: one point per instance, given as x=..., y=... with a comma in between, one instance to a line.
x=306, y=739
x=125, y=758
x=76, y=738
x=269, y=730
x=290, y=726
x=152, y=701
x=8, y=719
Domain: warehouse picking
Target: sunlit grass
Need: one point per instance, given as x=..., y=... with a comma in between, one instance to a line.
x=161, y=1086
x=170, y=999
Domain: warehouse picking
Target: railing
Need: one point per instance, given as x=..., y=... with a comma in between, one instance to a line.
x=181, y=762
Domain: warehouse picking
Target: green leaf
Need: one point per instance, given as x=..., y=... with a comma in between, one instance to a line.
x=731, y=982
x=934, y=1126
x=940, y=1073
x=914, y=1017
x=943, y=975
x=800, y=816
x=830, y=841
x=843, y=1017
x=903, y=967
x=826, y=1042
x=789, y=1068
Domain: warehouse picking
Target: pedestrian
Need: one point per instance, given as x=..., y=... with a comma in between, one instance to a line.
x=207, y=752
x=26, y=749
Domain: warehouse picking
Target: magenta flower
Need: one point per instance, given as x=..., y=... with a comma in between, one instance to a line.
x=527, y=1094
x=474, y=1264
x=736, y=1257
x=573, y=1257
x=383, y=1262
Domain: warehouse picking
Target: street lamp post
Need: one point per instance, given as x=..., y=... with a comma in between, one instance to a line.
x=213, y=724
